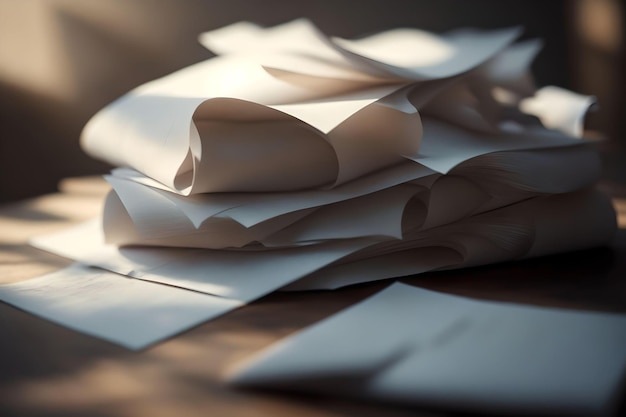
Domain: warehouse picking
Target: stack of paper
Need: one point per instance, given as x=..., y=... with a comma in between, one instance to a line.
x=298, y=161
x=296, y=158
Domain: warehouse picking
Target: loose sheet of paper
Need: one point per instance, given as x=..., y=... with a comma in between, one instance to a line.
x=126, y=311
x=411, y=345
x=250, y=209
x=387, y=55
x=242, y=275
x=445, y=146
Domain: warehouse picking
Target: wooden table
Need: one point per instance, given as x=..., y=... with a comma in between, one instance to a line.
x=48, y=370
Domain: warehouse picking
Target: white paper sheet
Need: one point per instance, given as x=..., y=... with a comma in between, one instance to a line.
x=126, y=311
x=548, y=171
x=153, y=226
x=296, y=47
x=559, y=109
x=377, y=215
x=240, y=275
x=138, y=215
x=250, y=209
x=445, y=146
x=387, y=55
x=415, y=346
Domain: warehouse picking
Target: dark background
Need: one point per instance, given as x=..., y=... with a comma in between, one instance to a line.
x=62, y=60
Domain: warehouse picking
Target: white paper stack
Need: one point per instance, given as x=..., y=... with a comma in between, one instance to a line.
x=298, y=161
x=297, y=158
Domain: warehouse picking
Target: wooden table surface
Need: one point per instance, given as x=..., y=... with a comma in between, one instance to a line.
x=48, y=370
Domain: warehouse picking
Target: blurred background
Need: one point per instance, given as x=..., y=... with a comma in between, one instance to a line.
x=62, y=60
